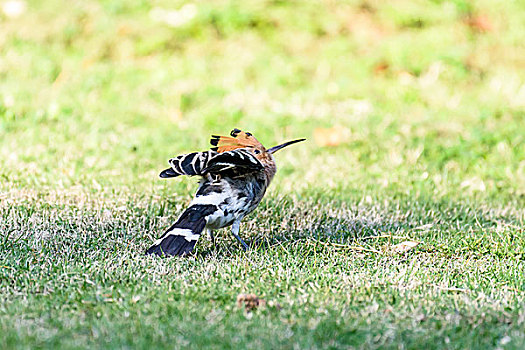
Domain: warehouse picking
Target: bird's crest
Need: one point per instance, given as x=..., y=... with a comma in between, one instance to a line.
x=238, y=139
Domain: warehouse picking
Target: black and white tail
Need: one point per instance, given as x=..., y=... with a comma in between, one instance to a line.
x=180, y=238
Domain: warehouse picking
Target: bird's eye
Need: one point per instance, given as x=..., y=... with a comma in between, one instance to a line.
x=257, y=151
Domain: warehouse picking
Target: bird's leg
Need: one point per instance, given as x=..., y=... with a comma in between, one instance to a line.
x=235, y=231
x=211, y=236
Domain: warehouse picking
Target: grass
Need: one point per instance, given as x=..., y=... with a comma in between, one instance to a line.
x=422, y=103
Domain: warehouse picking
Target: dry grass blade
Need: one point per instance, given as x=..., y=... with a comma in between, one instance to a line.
x=405, y=246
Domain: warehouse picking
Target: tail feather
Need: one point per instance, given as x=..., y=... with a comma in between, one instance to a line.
x=173, y=244
x=181, y=237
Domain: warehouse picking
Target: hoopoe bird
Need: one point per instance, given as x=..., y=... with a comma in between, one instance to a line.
x=234, y=177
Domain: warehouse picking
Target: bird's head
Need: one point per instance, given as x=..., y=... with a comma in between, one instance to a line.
x=241, y=139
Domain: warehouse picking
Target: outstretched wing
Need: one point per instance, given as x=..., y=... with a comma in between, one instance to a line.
x=230, y=163
x=236, y=162
x=188, y=164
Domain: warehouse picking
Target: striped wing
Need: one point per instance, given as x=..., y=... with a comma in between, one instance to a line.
x=188, y=164
x=231, y=163
x=236, y=162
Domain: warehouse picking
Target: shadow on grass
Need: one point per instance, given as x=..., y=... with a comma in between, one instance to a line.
x=329, y=231
x=67, y=229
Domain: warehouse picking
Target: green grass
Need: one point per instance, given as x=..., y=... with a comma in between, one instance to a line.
x=427, y=99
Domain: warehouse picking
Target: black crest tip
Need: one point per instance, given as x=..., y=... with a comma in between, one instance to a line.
x=235, y=132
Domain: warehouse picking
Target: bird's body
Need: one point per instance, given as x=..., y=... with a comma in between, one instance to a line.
x=234, y=198
x=234, y=179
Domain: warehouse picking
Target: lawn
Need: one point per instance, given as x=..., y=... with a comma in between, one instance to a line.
x=414, y=113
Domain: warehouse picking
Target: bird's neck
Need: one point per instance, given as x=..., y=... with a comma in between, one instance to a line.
x=269, y=171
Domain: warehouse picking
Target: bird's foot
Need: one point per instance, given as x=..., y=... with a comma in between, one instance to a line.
x=245, y=246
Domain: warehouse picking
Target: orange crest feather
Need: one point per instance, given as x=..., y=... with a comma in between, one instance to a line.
x=239, y=139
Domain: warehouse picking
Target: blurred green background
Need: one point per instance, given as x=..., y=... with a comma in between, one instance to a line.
x=414, y=113
x=408, y=95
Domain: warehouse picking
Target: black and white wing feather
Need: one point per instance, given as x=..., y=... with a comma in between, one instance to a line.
x=231, y=163
x=188, y=164
x=239, y=161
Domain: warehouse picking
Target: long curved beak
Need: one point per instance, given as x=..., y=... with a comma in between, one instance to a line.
x=276, y=148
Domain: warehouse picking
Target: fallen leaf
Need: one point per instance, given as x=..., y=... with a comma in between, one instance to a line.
x=250, y=301
x=331, y=136
x=405, y=246
x=480, y=23
x=381, y=67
